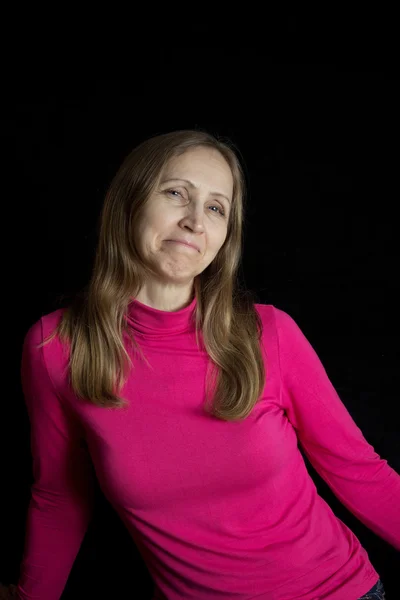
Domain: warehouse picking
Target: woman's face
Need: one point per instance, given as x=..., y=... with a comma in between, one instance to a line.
x=191, y=203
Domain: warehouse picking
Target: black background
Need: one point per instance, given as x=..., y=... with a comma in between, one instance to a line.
x=320, y=145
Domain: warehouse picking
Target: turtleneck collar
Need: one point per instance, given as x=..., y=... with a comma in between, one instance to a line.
x=146, y=320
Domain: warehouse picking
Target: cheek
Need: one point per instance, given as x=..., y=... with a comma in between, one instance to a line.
x=150, y=225
x=159, y=221
x=220, y=239
x=214, y=246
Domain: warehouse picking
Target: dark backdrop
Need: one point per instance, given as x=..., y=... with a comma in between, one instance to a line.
x=320, y=144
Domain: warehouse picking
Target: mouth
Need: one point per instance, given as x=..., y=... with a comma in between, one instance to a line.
x=190, y=246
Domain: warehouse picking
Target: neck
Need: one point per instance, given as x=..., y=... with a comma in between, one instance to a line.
x=167, y=299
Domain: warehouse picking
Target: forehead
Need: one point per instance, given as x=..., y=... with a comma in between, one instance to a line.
x=200, y=162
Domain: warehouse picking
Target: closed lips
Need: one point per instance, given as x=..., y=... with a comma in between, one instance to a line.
x=185, y=243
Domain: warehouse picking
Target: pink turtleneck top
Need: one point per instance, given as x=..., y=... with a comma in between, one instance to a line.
x=218, y=510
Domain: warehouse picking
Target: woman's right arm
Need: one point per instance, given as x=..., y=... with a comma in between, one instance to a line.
x=62, y=493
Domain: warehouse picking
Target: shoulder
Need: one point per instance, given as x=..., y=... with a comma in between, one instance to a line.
x=54, y=354
x=43, y=327
x=279, y=326
x=272, y=316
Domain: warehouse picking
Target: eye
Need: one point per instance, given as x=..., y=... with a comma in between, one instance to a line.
x=172, y=192
x=176, y=193
x=221, y=211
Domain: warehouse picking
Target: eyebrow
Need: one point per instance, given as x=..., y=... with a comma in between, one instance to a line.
x=194, y=186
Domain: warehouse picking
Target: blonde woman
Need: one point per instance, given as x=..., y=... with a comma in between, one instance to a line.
x=188, y=400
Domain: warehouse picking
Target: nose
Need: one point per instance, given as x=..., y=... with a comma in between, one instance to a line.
x=193, y=220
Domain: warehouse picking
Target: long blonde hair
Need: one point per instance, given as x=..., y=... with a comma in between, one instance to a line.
x=94, y=323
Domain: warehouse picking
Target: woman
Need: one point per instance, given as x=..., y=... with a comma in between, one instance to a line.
x=189, y=399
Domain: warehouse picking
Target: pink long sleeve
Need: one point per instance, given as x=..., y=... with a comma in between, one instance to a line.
x=217, y=509
x=61, y=501
x=334, y=444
